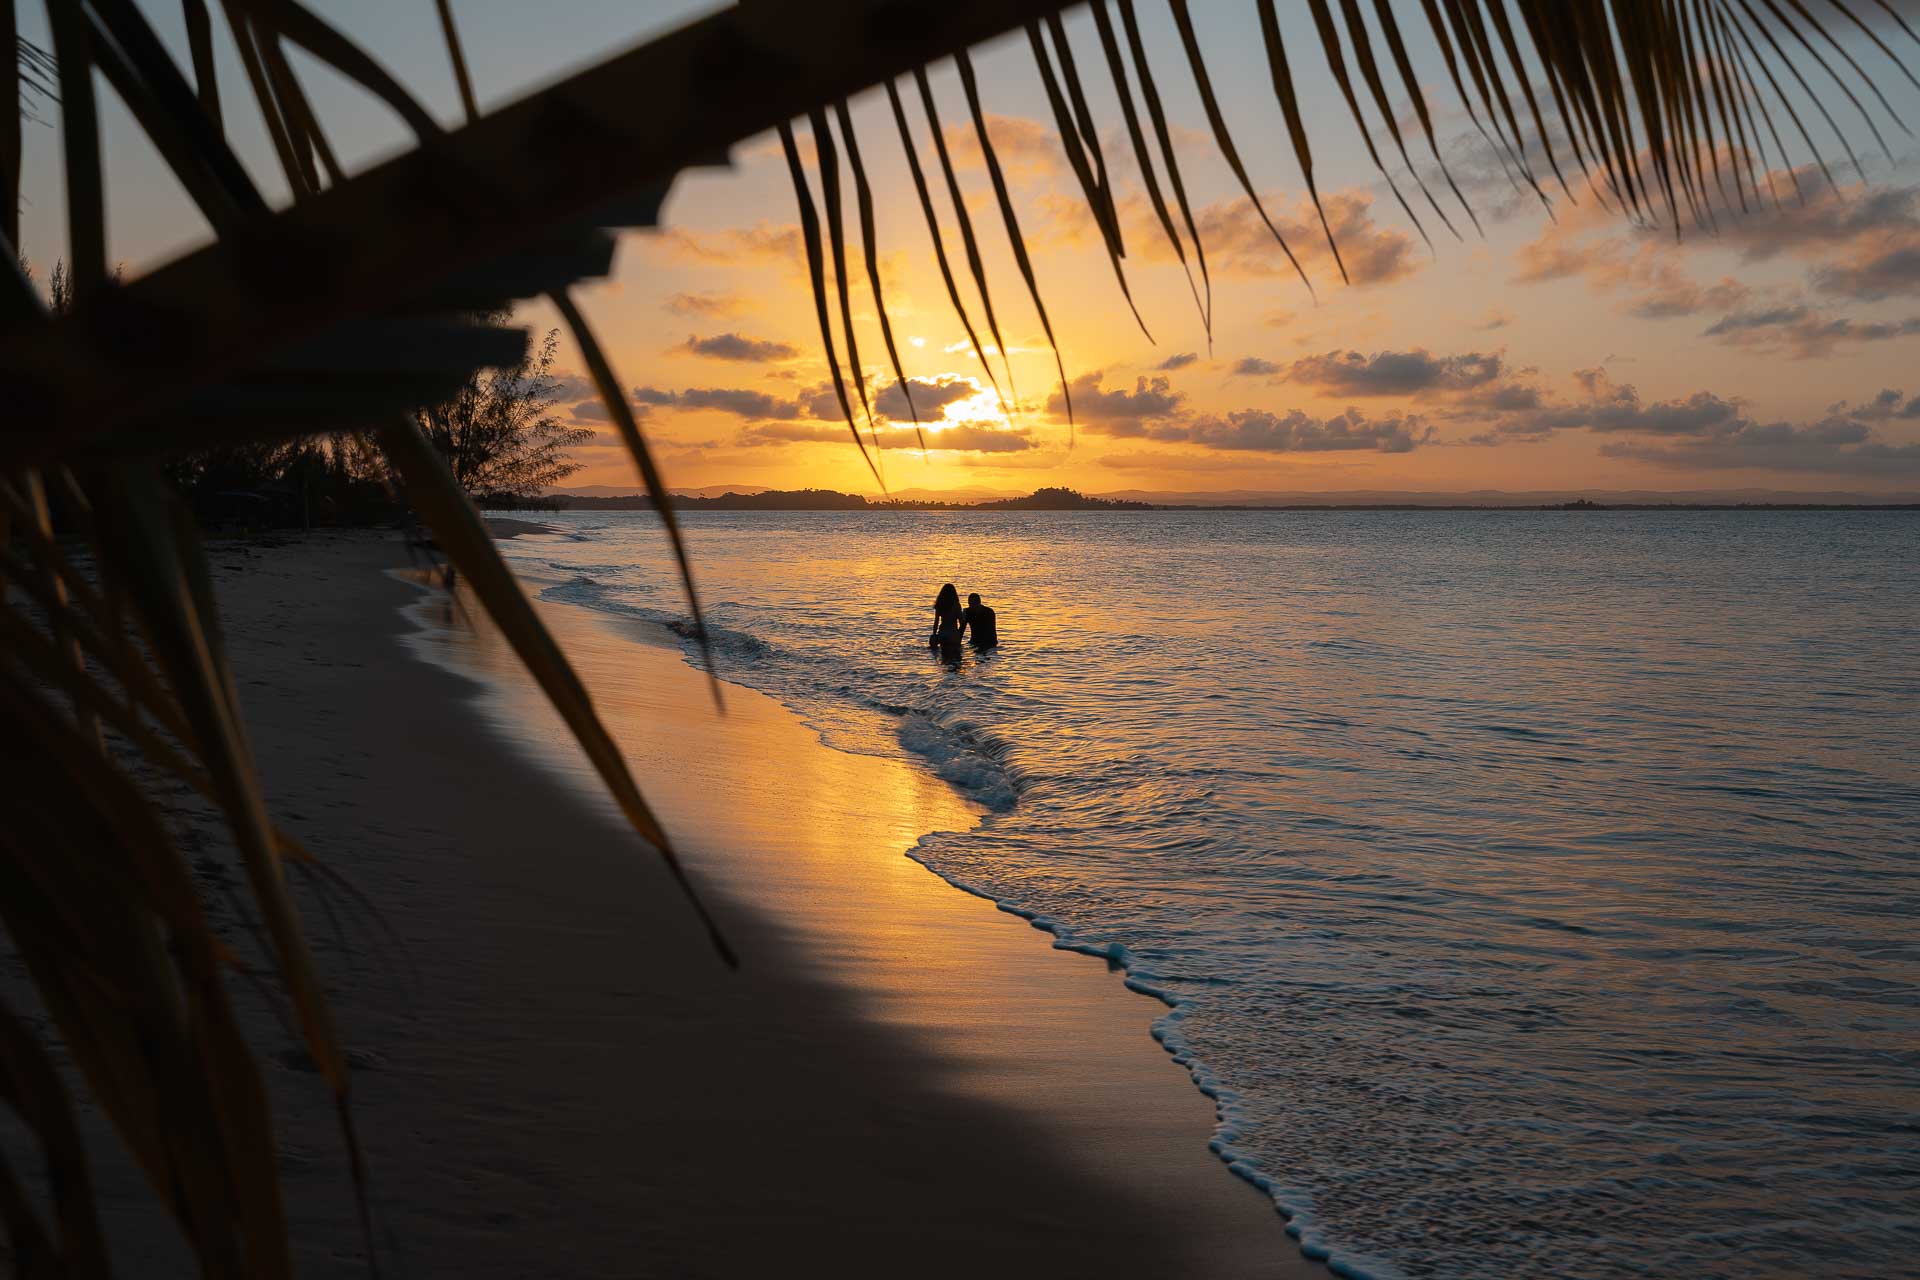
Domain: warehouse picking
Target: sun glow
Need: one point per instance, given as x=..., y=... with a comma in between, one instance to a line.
x=981, y=409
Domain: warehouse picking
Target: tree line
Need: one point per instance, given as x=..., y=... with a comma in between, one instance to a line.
x=499, y=432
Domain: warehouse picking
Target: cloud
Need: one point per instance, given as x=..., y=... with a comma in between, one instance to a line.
x=1606, y=407
x=1024, y=147
x=1498, y=318
x=1827, y=447
x=1889, y=403
x=740, y=401
x=963, y=437
x=712, y=306
x=1825, y=221
x=1238, y=242
x=1708, y=431
x=582, y=399
x=1645, y=269
x=1862, y=244
x=1395, y=373
x=930, y=396
x=733, y=246
x=1259, y=431
x=1181, y=361
x=733, y=346
x=1872, y=274
x=1254, y=367
x=1094, y=405
x=1803, y=333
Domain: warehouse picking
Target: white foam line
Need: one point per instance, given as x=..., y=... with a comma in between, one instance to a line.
x=1294, y=1204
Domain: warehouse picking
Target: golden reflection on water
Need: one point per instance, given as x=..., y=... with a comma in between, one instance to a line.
x=813, y=839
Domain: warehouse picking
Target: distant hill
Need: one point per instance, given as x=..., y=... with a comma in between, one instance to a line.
x=626, y=491
x=731, y=500
x=832, y=500
x=1401, y=498
x=1061, y=500
x=722, y=498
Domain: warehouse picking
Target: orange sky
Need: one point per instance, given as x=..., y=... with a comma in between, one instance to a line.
x=1582, y=352
x=1571, y=353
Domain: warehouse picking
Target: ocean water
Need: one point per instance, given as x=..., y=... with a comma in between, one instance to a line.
x=1535, y=892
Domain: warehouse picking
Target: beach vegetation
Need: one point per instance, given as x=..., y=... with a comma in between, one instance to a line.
x=335, y=319
x=498, y=431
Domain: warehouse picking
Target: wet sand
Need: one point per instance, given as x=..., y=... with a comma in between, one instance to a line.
x=562, y=1079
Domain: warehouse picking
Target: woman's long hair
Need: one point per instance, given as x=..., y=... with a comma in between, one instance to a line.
x=947, y=602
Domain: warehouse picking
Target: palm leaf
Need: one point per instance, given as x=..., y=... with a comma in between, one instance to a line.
x=870, y=248
x=1093, y=182
x=970, y=84
x=810, y=233
x=1117, y=68
x=99, y=902
x=939, y=244
x=965, y=222
x=828, y=158
x=1224, y=136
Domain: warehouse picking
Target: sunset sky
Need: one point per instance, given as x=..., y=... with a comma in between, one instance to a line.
x=1577, y=353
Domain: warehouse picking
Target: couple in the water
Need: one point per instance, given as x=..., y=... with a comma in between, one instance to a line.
x=951, y=623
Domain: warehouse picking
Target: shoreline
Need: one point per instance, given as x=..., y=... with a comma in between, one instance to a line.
x=1125, y=1019
x=560, y=1078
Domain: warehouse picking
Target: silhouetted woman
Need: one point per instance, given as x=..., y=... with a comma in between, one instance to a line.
x=946, y=619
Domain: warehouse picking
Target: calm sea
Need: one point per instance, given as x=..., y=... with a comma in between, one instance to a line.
x=1536, y=891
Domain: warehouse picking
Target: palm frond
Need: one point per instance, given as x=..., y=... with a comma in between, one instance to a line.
x=365, y=313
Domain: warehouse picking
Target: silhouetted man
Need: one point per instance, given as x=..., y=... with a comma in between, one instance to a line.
x=980, y=619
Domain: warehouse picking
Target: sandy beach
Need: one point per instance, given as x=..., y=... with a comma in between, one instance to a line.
x=559, y=1077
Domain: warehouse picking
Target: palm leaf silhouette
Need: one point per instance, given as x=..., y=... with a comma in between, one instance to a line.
x=210, y=348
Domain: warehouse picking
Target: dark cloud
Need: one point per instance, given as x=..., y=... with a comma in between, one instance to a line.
x=1256, y=430
x=1833, y=448
x=1705, y=430
x=1804, y=333
x=1825, y=221
x=1873, y=274
x=1395, y=373
x=964, y=437
x=1505, y=397
x=1863, y=244
x=1181, y=361
x=734, y=346
x=930, y=397
x=1746, y=321
x=739, y=401
x=1612, y=408
x=1889, y=403
x=1093, y=404
x=1260, y=431
x=1255, y=367
x=1667, y=292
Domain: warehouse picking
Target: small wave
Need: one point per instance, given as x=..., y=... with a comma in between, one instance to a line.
x=962, y=756
x=960, y=753
x=725, y=641
x=1294, y=1204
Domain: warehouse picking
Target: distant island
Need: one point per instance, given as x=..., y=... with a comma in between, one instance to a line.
x=1063, y=499
x=831, y=500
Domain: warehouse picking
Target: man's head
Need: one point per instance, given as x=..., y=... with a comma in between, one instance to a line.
x=973, y=598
